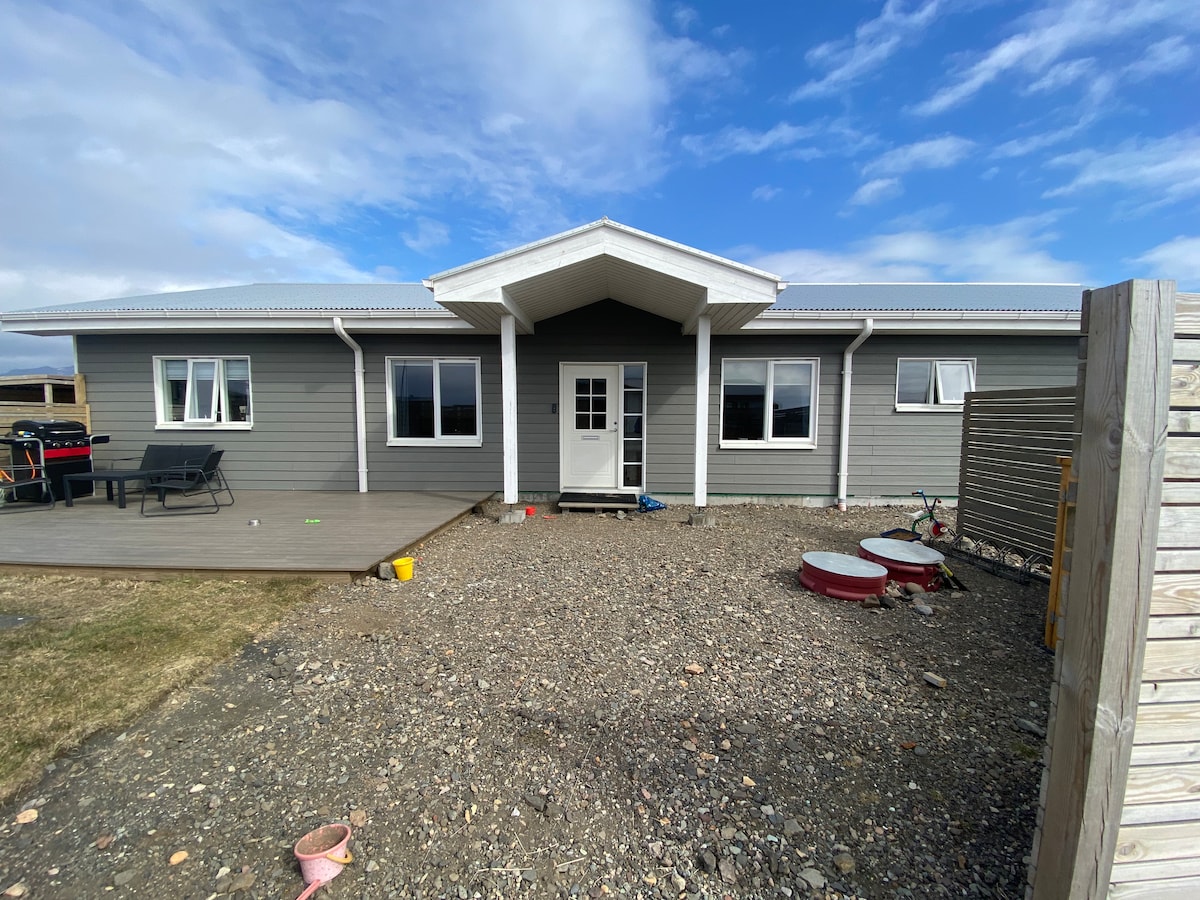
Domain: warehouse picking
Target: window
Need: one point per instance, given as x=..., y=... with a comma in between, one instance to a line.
x=768, y=403
x=202, y=392
x=931, y=384
x=434, y=401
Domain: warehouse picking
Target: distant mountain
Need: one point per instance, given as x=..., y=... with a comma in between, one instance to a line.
x=42, y=370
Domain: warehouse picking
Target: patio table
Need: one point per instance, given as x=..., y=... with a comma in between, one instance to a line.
x=110, y=477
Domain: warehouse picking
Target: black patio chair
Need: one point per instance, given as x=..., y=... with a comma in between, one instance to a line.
x=204, y=481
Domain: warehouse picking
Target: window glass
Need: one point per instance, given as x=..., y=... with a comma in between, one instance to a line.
x=434, y=400
x=768, y=401
x=914, y=381
x=745, y=399
x=458, y=402
x=413, y=392
x=791, y=400
x=933, y=382
x=202, y=399
x=954, y=379
x=203, y=391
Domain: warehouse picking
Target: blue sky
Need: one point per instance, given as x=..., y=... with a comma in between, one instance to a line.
x=169, y=144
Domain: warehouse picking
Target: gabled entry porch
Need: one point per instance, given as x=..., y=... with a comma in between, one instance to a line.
x=604, y=442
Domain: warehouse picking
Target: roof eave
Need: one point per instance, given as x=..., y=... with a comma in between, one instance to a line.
x=1064, y=322
x=242, y=321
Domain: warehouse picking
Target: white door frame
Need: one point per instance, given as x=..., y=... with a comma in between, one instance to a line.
x=597, y=440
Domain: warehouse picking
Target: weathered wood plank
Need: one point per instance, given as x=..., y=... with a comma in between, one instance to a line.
x=1154, y=813
x=1181, y=492
x=1171, y=660
x=1179, y=526
x=1187, y=314
x=1165, y=754
x=1162, y=784
x=1176, y=595
x=1174, y=627
x=1183, y=421
x=1185, y=350
x=1149, y=888
x=1185, y=385
x=1167, y=723
x=1169, y=692
x=1123, y=392
x=1173, y=840
x=1177, y=561
x=1183, y=457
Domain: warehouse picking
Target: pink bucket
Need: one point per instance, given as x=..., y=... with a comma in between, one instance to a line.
x=322, y=854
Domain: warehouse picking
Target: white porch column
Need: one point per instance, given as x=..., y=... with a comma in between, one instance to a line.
x=703, y=340
x=508, y=394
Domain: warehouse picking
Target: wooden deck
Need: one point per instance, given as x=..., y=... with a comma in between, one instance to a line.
x=355, y=533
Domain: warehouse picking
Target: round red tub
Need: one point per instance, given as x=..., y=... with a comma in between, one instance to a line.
x=905, y=561
x=841, y=576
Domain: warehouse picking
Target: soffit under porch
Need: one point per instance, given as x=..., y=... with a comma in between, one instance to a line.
x=602, y=261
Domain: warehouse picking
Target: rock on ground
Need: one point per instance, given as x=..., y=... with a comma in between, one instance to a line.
x=579, y=707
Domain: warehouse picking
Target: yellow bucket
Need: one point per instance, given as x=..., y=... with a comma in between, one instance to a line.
x=403, y=567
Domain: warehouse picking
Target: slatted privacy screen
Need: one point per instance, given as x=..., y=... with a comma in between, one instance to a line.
x=1158, y=845
x=1008, y=483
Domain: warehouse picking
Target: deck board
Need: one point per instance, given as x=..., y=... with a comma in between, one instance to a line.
x=356, y=532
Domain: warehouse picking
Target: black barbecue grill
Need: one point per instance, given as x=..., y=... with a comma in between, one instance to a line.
x=56, y=447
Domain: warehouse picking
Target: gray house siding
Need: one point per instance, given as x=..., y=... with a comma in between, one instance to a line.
x=432, y=468
x=894, y=453
x=608, y=331
x=778, y=472
x=302, y=393
x=891, y=453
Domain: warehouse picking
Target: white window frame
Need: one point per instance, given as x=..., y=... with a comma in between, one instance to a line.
x=768, y=442
x=162, y=410
x=934, y=404
x=438, y=439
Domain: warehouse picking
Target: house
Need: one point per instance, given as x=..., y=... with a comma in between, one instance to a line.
x=603, y=359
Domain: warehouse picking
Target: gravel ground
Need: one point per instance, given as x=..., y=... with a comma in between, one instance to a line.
x=577, y=706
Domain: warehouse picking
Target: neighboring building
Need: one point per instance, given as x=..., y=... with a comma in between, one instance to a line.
x=571, y=364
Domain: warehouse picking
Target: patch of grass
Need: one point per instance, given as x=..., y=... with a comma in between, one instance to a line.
x=1023, y=750
x=101, y=652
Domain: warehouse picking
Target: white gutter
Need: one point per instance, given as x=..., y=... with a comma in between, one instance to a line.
x=868, y=326
x=360, y=403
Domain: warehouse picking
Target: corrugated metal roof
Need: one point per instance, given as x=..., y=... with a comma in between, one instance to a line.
x=270, y=297
x=366, y=297
x=933, y=297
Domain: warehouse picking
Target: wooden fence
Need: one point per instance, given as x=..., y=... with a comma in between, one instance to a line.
x=1120, y=807
x=1008, y=481
x=43, y=397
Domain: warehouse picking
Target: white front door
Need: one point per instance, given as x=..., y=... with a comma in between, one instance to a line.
x=590, y=437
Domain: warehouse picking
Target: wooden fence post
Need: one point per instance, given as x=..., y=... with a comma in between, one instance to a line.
x=1125, y=374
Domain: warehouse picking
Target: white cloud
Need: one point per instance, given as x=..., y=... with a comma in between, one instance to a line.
x=765, y=193
x=1023, y=146
x=875, y=41
x=231, y=142
x=936, y=153
x=1178, y=259
x=1056, y=31
x=1063, y=74
x=1166, y=170
x=737, y=141
x=1011, y=251
x=430, y=235
x=876, y=191
x=1168, y=55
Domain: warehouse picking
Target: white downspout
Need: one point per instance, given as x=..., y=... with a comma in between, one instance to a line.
x=844, y=424
x=360, y=403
